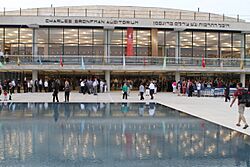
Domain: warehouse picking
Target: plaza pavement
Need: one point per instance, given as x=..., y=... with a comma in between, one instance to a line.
x=213, y=109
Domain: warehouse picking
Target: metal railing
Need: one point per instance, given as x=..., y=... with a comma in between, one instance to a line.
x=84, y=61
x=139, y=13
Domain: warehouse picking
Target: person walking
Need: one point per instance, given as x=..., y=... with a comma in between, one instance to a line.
x=13, y=86
x=101, y=86
x=32, y=85
x=125, y=91
x=190, y=89
x=18, y=86
x=95, y=84
x=82, y=85
x=174, y=84
x=184, y=88
x=67, y=91
x=198, y=87
x=46, y=85
x=10, y=90
x=141, y=91
x=152, y=90
x=227, y=92
x=55, y=90
x=36, y=85
x=25, y=85
x=241, y=107
x=29, y=86
x=179, y=88
x=40, y=85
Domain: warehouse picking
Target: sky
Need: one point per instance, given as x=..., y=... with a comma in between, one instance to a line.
x=227, y=7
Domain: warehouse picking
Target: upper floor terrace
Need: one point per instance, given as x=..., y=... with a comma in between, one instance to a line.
x=123, y=63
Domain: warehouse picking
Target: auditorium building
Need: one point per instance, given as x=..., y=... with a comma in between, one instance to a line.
x=117, y=43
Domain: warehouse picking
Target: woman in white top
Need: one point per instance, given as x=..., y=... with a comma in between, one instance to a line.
x=152, y=90
x=46, y=85
x=141, y=91
x=29, y=87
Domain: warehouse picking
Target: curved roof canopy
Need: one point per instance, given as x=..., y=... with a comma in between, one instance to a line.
x=121, y=12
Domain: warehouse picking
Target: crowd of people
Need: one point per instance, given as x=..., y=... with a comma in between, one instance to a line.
x=89, y=86
x=95, y=85
x=149, y=88
x=188, y=87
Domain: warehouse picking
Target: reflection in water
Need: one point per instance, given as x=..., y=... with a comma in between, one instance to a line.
x=113, y=134
x=151, y=110
x=56, y=112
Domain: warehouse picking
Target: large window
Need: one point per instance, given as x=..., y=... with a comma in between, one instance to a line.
x=247, y=46
x=1, y=39
x=70, y=41
x=42, y=41
x=117, y=47
x=212, y=45
x=161, y=43
x=25, y=45
x=199, y=44
x=143, y=43
x=237, y=44
x=167, y=43
x=170, y=43
x=98, y=42
x=226, y=45
x=91, y=41
x=186, y=44
x=85, y=41
x=11, y=41
x=56, y=41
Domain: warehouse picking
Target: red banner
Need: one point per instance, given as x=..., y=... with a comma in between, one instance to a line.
x=61, y=61
x=203, y=63
x=130, y=42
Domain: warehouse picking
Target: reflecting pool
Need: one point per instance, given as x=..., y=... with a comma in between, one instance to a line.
x=114, y=134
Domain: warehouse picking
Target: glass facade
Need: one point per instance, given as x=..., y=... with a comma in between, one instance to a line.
x=166, y=43
x=247, y=45
x=92, y=42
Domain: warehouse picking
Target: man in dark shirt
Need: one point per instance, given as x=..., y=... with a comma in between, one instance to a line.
x=227, y=93
x=241, y=107
x=55, y=90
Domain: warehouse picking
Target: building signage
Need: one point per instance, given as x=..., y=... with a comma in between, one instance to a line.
x=92, y=21
x=190, y=24
x=124, y=22
x=114, y=22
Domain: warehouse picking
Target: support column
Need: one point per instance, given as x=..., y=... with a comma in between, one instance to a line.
x=242, y=51
x=34, y=43
x=34, y=78
x=243, y=79
x=242, y=56
x=177, y=76
x=107, y=42
x=177, y=47
x=107, y=78
x=154, y=41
